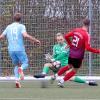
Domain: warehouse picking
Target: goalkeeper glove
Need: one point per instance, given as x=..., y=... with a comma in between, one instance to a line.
x=57, y=64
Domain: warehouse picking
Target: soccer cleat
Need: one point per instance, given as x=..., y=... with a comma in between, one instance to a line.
x=60, y=84
x=21, y=74
x=39, y=76
x=92, y=83
x=18, y=85
x=53, y=78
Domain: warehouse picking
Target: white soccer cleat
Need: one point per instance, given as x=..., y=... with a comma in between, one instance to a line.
x=60, y=84
x=18, y=85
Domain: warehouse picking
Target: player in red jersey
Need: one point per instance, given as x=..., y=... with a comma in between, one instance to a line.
x=78, y=41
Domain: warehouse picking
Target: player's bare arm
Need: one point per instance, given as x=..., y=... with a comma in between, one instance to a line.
x=2, y=36
x=67, y=37
x=88, y=46
x=31, y=38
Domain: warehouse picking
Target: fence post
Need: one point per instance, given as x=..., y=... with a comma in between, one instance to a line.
x=90, y=17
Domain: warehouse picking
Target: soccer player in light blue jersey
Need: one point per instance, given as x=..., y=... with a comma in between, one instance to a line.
x=15, y=34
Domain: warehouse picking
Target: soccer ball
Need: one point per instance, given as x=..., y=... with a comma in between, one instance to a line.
x=44, y=83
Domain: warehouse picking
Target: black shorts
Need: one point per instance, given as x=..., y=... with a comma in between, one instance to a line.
x=75, y=62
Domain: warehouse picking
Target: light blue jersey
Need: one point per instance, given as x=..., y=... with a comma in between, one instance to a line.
x=14, y=36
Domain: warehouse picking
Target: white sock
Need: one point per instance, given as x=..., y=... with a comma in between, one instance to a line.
x=87, y=82
x=62, y=80
x=56, y=75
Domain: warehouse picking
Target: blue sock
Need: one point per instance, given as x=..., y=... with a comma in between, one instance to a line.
x=16, y=72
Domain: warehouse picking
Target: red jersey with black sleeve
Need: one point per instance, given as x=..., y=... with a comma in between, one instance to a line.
x=79, y=41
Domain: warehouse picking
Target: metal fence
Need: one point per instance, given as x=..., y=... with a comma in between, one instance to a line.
x=43, y=19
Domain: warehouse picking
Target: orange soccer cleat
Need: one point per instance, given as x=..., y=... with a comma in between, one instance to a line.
x=18, y=85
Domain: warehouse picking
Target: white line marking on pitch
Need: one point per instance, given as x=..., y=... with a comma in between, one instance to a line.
x=41, y=99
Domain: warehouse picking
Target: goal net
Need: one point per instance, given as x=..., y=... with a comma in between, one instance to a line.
x=45, y=18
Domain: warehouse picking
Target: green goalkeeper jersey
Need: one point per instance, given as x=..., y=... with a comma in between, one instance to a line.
x=60, y=53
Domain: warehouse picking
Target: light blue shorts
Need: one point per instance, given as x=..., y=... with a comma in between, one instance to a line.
x=18, y=57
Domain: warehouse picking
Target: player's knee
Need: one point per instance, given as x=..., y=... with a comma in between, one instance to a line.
x=25, y=65
x=51, y=67
x=48, y=65
x=70, y=66
x=75, y=70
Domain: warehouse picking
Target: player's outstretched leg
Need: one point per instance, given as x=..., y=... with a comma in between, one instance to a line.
x=45, y=71
x=66, y=77
x=60, y=72
x=20, y=70
x=18, y=85
x=24, y=64
x=63, y=70
x=79, y=80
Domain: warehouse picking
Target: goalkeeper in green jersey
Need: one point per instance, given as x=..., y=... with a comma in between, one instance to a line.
x=59, y=59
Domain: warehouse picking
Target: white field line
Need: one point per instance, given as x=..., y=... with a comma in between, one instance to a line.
x=43, y=99
x=31, y=78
